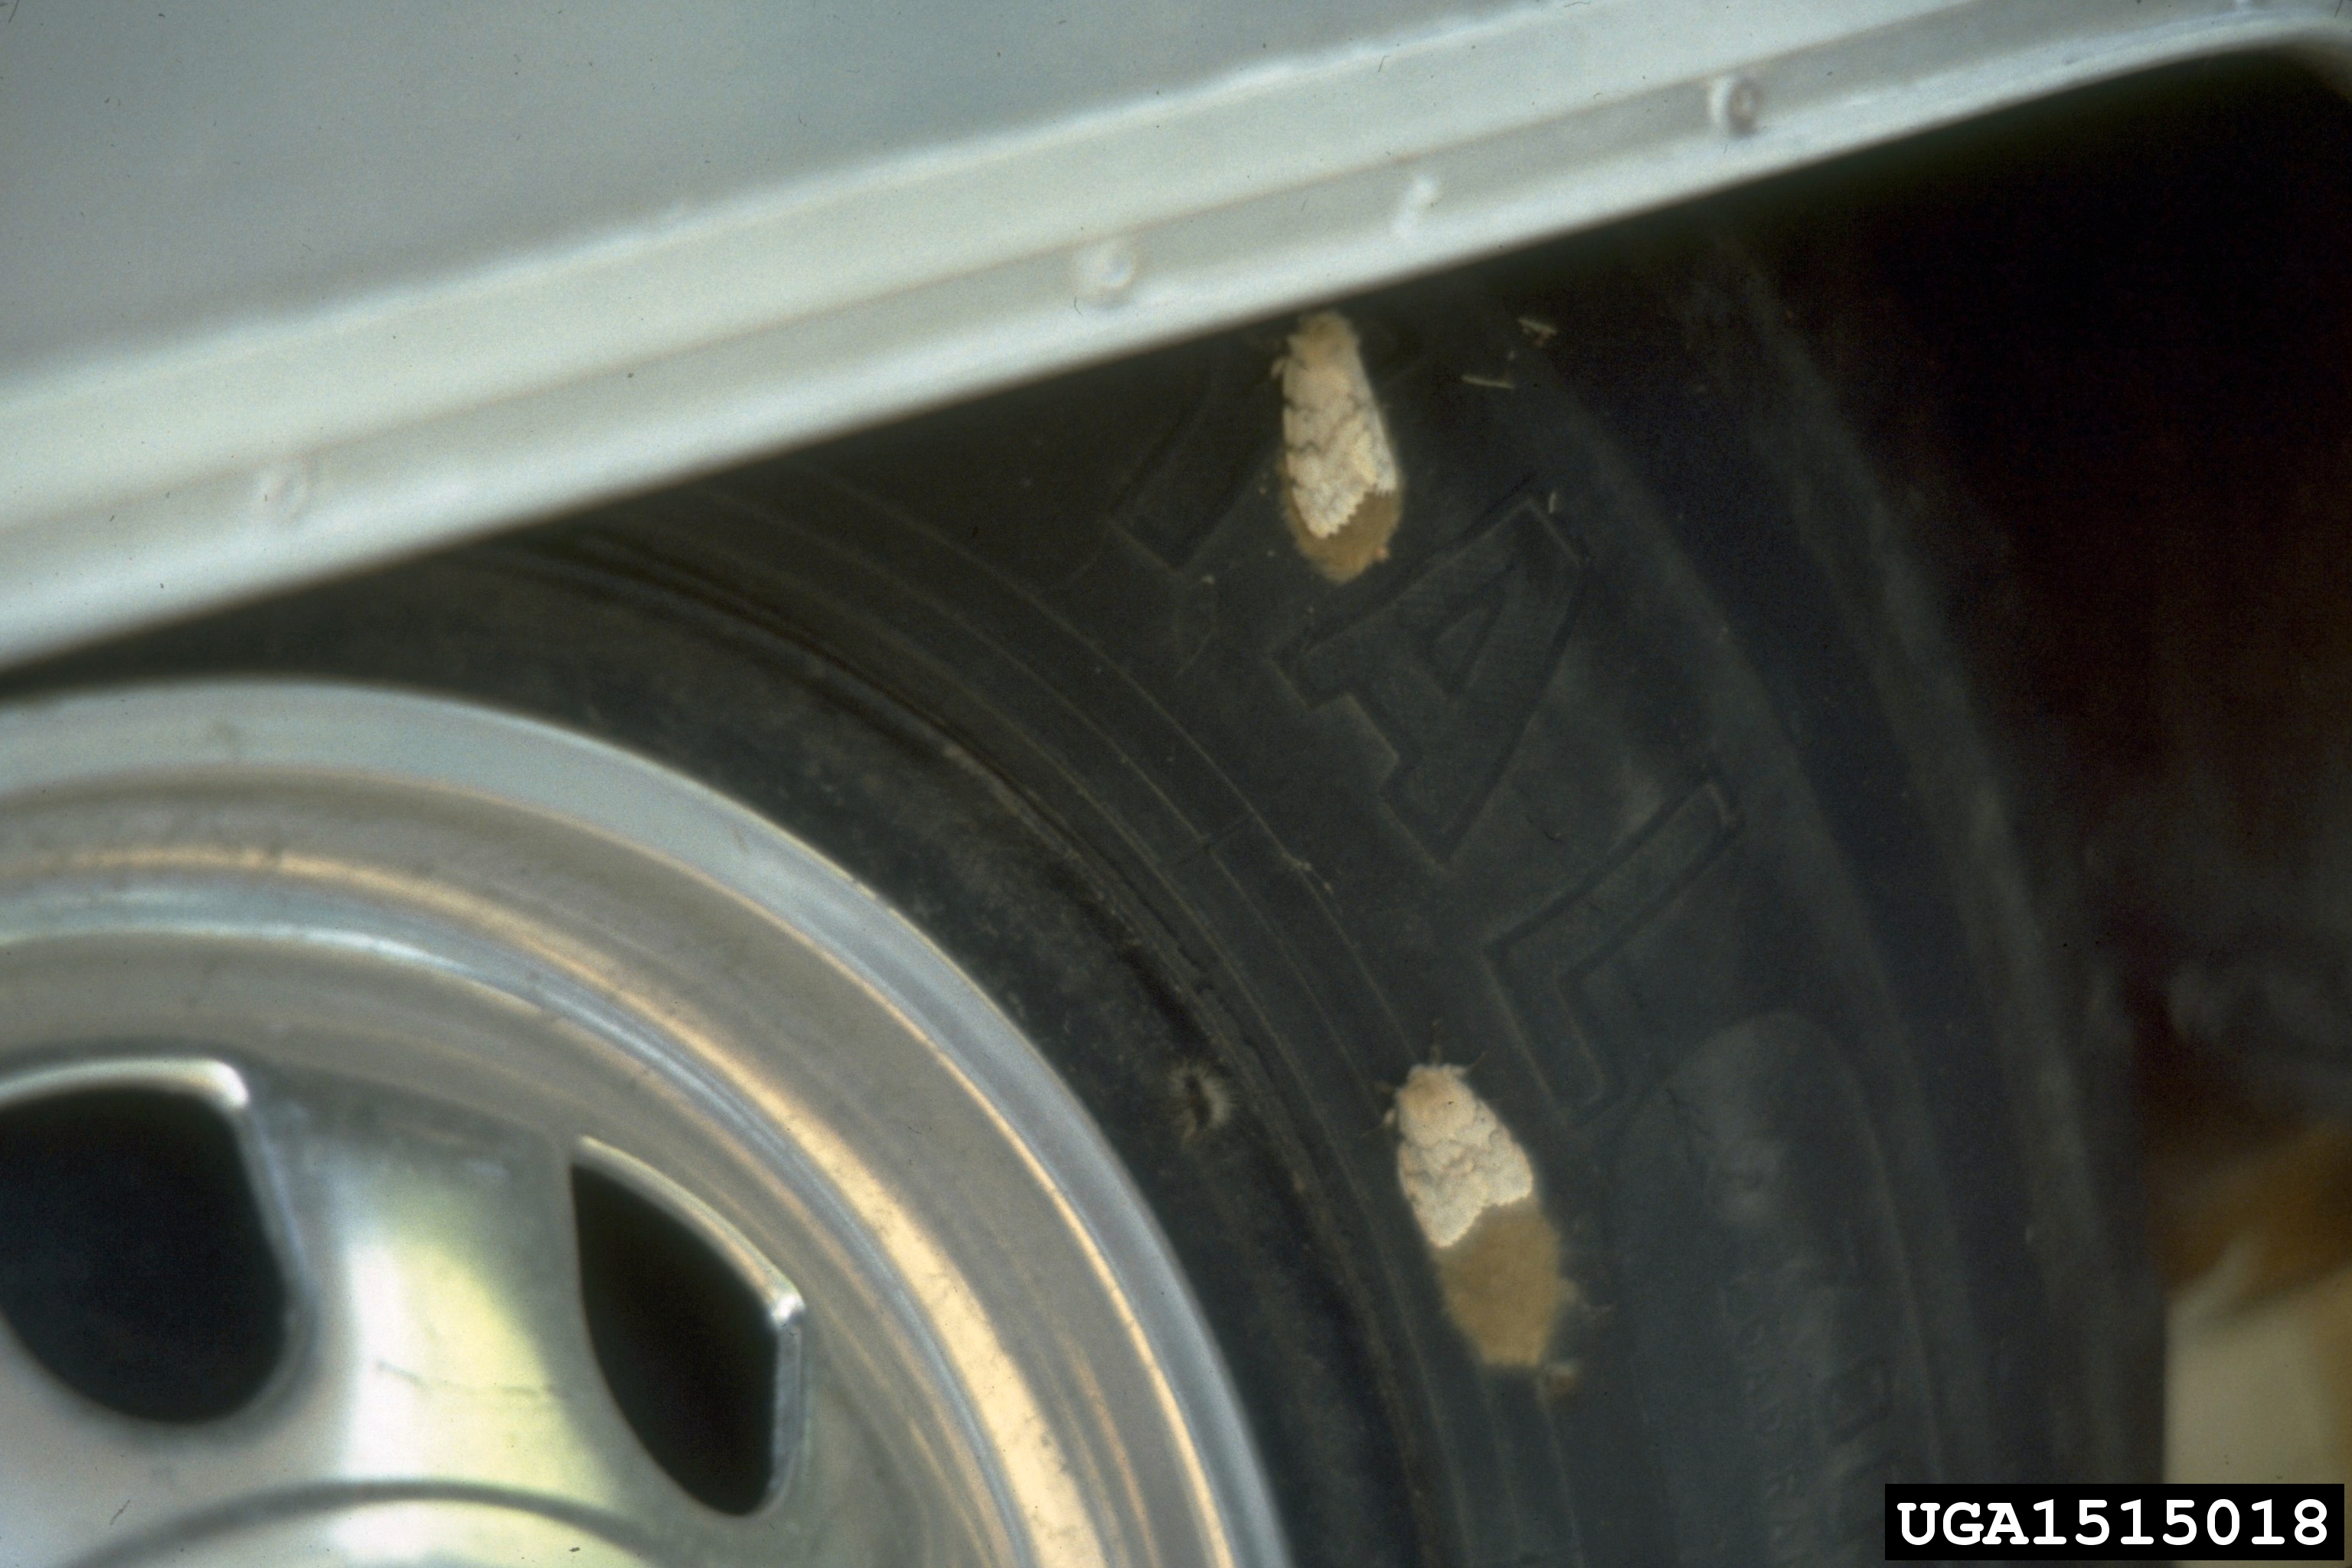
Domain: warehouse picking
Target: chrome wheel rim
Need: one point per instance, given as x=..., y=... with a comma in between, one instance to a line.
x=429, y=960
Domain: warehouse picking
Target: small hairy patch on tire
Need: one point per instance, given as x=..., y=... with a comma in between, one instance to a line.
x=1557, y=1382
x=1343, y=495
x=1473, y=1192
x=1204, y=1101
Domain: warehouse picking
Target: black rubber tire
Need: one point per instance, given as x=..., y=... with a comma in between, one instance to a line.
x=1631, y=782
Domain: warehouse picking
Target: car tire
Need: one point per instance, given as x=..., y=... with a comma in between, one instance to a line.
x=1623, y=823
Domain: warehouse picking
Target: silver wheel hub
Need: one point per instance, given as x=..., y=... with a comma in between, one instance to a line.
x=430, y=964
